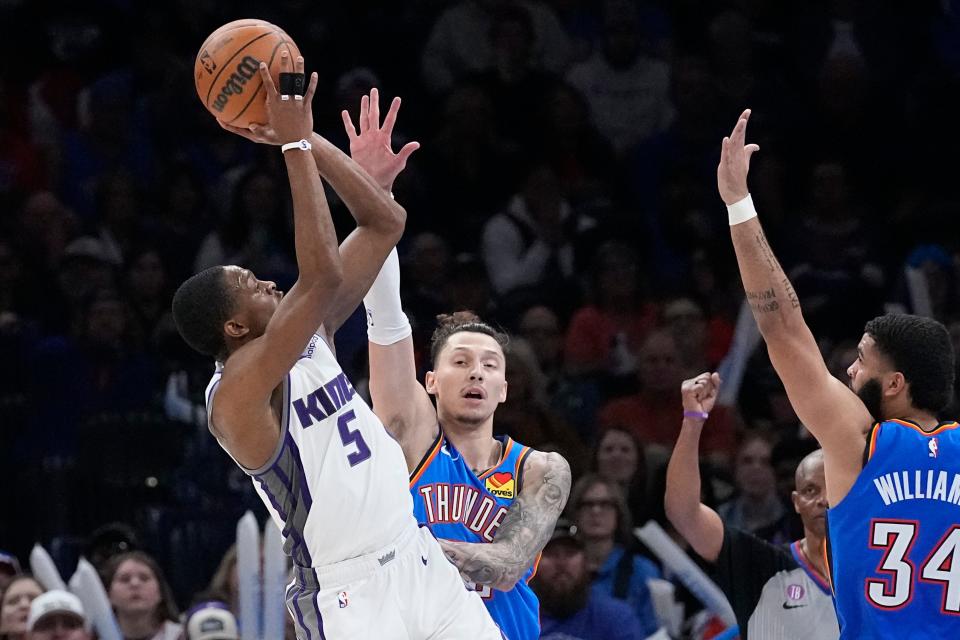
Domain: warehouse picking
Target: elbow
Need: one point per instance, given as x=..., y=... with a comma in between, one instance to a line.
x=328, y=281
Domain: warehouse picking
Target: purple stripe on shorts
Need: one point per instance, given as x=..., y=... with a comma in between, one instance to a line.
x=296, y=609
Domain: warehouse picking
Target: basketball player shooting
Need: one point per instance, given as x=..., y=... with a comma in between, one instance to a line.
x=492, y=502
x=328, y=473
x=892, y=467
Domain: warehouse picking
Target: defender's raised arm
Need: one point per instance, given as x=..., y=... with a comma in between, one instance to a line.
x=827, y=407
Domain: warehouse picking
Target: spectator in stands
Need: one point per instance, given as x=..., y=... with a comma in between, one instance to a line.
x=109, y=540
x=141, y=598
x=530, y=247
x=15, y=607
x=526, y=416
x=224, y=580
x=570, y=608
x=514, y=83
x=628, y=90
x=253, y=230
x=58, y=615
x=471, y=167
x=604, y=336
x=619, y=457
x=605, y=526
x=9, y=569
x=582, y=158
x=459, y=42
x=756, y=508
x=651, y=413
x=145, y=285
x=701, y=345
x=211, y=620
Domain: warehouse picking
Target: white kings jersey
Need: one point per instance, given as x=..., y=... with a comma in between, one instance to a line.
x=337, y=483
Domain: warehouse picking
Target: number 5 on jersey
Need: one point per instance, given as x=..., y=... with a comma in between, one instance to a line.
x=352, y=437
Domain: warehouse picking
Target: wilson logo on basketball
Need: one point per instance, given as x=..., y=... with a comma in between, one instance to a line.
x=501, y=484
x=207, y=62
x=246, y=69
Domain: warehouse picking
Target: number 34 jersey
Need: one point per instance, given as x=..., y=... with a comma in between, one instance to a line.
x=894, y=540
x=336, y=485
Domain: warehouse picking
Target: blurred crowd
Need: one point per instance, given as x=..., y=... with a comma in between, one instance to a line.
x=565, y=190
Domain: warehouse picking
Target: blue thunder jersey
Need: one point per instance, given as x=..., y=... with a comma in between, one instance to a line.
x=894, y=541
x=456, y=504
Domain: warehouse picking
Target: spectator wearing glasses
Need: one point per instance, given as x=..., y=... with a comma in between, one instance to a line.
x=604, y=525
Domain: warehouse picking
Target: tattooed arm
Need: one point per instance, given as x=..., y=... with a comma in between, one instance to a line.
x=525, y=529
x=826, y=406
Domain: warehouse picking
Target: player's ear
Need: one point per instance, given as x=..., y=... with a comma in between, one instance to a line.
x=893, y=383
x=503, y=392
x=793, y=498
x=235, y=329
x=430, y=383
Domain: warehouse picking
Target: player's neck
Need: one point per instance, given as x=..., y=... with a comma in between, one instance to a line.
x=478, y=447
x=811, y=546
x=926, y=421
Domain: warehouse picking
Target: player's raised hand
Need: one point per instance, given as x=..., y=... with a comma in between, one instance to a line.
x=372, y=148
x=735, y=162
x=700, y=393
x=290, y=116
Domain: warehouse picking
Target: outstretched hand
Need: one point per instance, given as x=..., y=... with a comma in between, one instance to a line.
x=700, y=393
x=372, y=149
x=735, y=162
x=287, y=119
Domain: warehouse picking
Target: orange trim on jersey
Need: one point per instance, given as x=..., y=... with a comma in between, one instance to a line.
x=519, y=466
x=873, y=440
x=536, y=565
x=946, y=426
x=826, y=565
x=503, y=456
x=427, y=459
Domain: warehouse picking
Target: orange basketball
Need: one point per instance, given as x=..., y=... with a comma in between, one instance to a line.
x=227, y=69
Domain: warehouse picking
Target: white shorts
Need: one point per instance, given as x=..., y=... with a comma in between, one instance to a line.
x=406, y=591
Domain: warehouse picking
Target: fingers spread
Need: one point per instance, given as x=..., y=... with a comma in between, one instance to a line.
x=348, y=125
x=311, y=88
x=407, y=150
x=374, y=108
x=268, y=86
x=364, y=114
x=391, y=118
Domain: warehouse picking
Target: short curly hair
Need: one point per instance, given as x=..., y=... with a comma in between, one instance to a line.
x=921, y=350
x=449, y=324
x=200, y=307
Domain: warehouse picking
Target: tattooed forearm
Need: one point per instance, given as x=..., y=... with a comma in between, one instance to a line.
x=791, y=294
x=772, y=263
x=763, y=301
x=525, y=529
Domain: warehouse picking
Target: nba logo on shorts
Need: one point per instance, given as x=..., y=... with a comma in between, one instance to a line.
x=342, y=599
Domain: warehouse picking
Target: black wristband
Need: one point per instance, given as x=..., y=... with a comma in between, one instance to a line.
x=292, y=84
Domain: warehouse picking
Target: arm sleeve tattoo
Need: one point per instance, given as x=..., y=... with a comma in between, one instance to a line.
x=525, y=529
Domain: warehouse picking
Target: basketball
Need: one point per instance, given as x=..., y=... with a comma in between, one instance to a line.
x=227, y=73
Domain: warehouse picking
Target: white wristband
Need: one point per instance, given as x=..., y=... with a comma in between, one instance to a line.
x=302, y=145
x=386, y=322
x=741, y=211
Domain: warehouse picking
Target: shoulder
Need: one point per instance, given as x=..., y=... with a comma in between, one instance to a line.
x=542, y=464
